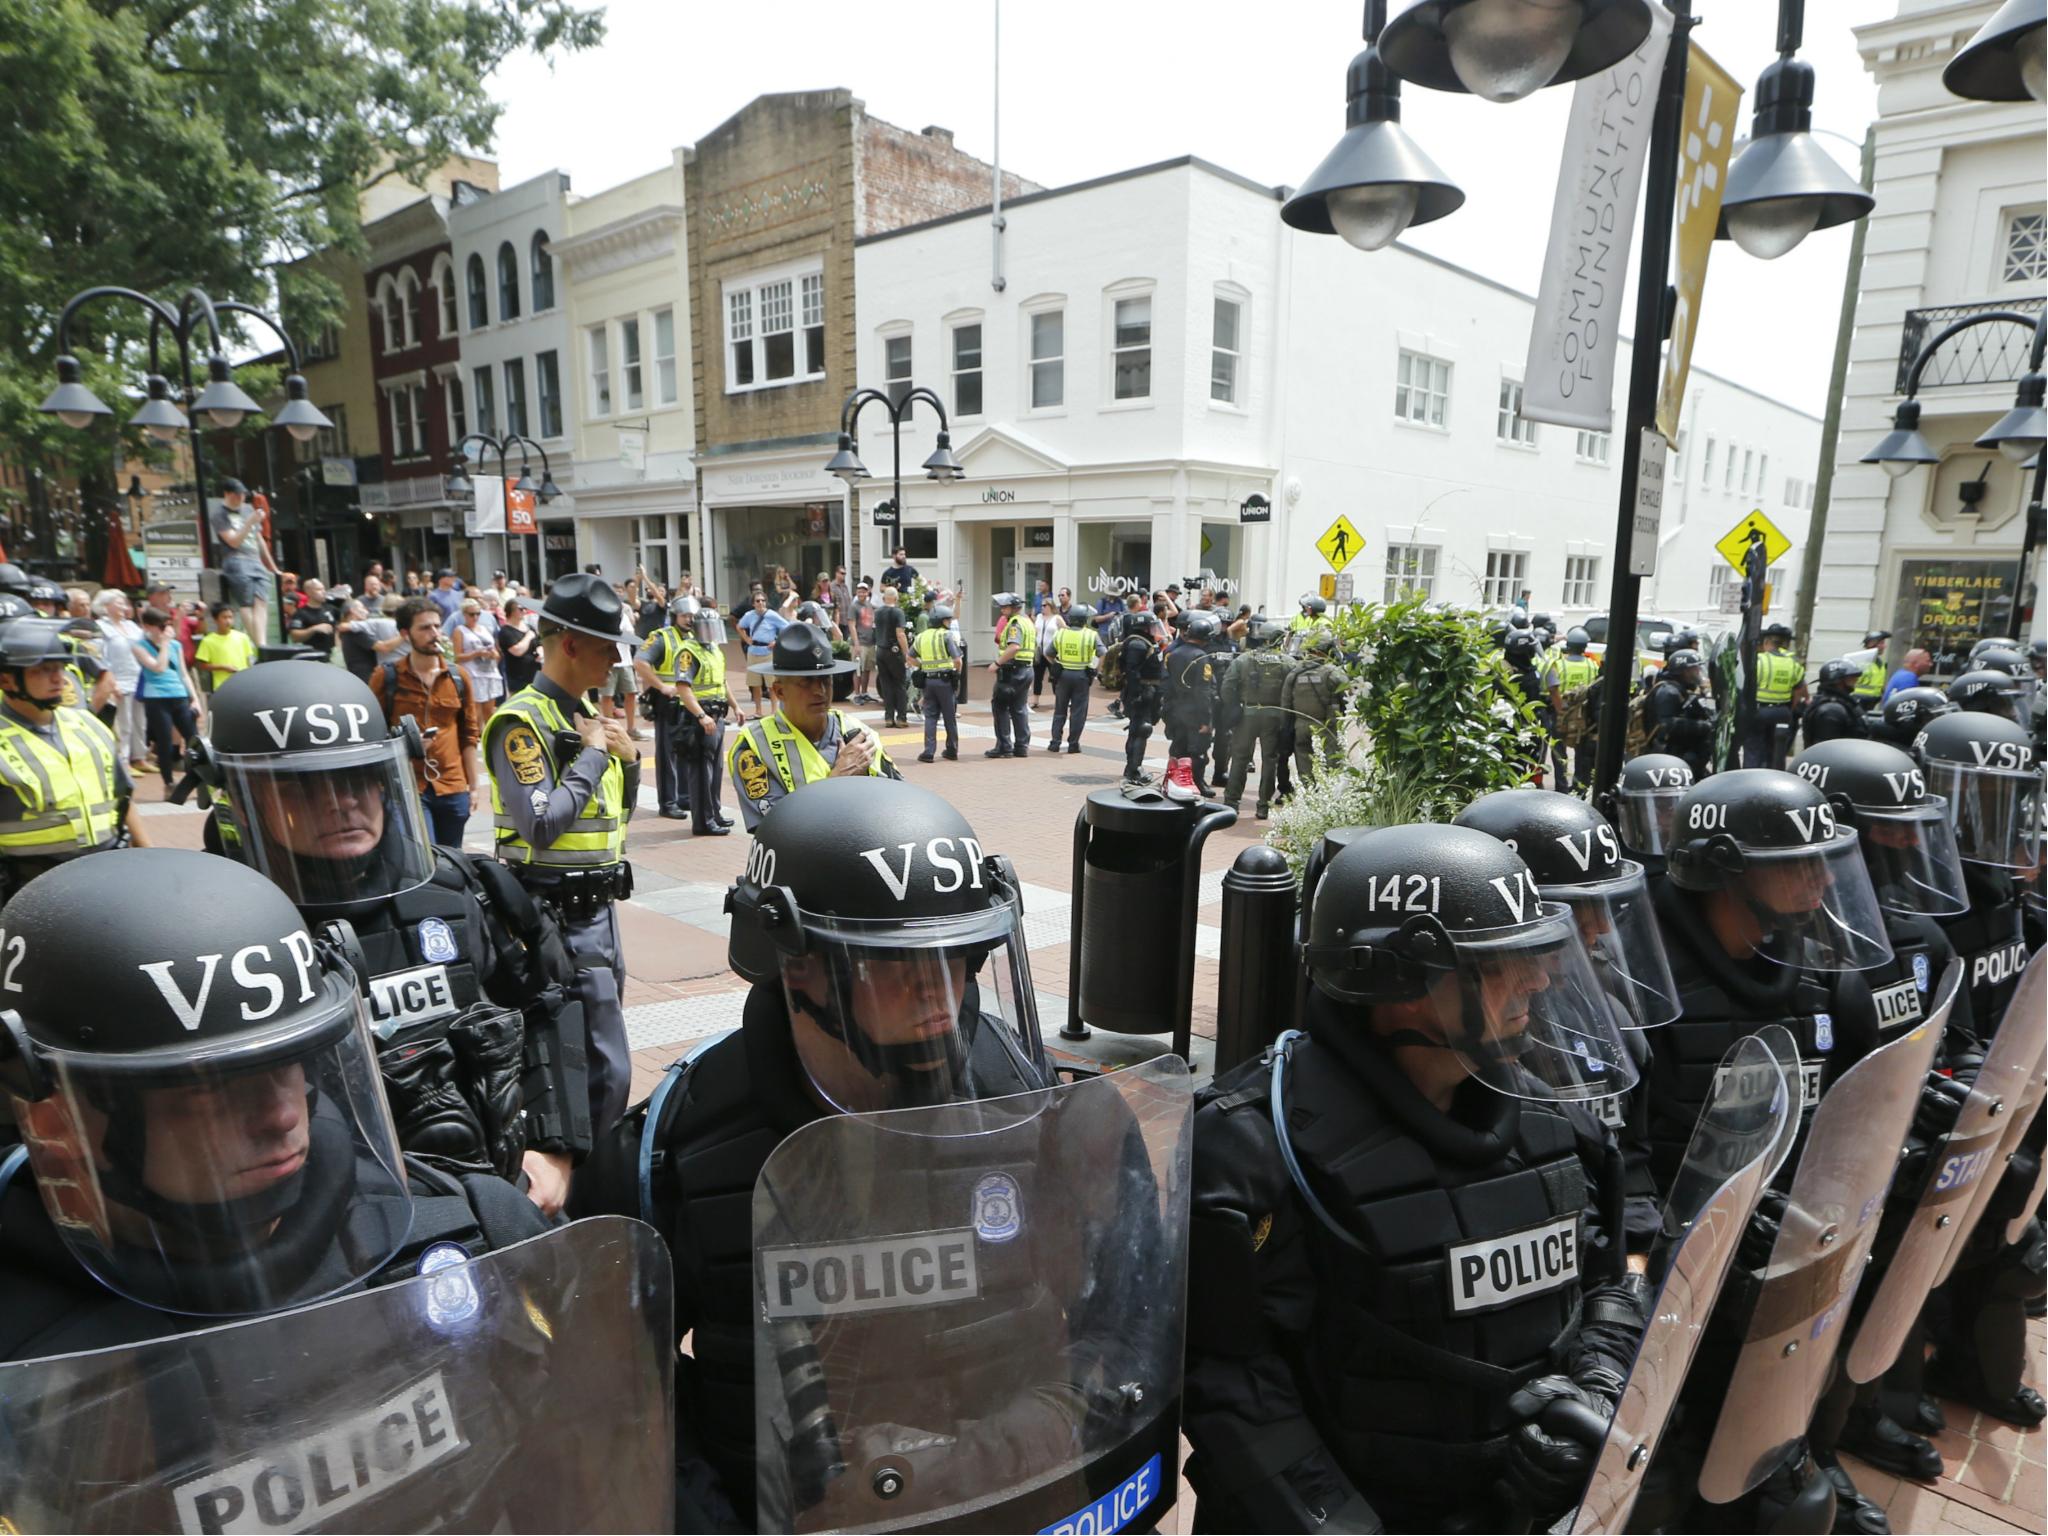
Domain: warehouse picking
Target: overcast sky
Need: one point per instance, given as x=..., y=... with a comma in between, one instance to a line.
x=1095, y=86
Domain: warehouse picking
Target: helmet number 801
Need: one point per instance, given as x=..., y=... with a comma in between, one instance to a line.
x=1707, y=818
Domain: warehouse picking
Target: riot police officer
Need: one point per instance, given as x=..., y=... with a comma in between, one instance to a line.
x=1521, y=652
x=1310, y=701
x=1402, y=1248
x=1643, y=805
x=1256, y=684
x=938, y=678
x=1906, y=714
x=1142, y=663
x=1983, y=765
x=1009, y=696
x=564, y=781
x=1679, y=713
x=1190, y=706
x=479, y=1036
x=1780, y=693
x=205, y=1135
x=1835, y=715
x=883, y=945
x=63, y=788
x=1990, y=691
x=686, y=667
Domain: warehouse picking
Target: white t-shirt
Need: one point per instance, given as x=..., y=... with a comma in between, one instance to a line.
x=116, y=653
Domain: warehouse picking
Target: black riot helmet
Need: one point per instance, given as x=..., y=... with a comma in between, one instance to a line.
x=1989, y=691
x=1201, y=627
x=1577, y=860
x=201, y=1103
x=583, y=602
x=1771, y=839
x=1983, y=766
x=1314, y=606
x=1518, y=618
x=1576, y=640
x=323, y=789
x=14, y=606
x=1520, y=648
x=940, y=614
x=1907, y=712
x=15, y=580
x=1908, y=842
x=1838, y=676
x=1978, y=648
x=1876, y=637
x=897, y=941
x=1442, y=934
x=43, y=590
x=26, y=644
x=1646, y=801
x=1681, y=661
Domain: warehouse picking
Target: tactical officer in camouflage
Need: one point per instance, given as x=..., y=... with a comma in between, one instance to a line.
x=1255, y=685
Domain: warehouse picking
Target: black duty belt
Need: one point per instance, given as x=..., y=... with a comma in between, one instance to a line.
x=577, y=894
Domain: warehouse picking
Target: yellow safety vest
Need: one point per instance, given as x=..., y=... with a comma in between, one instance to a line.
x=710, y=676
x=1777, y=674
x=1014, y=631
x=596, y=838
x=1871, y=683
x=1074, y=649
x=790, y=753
x=932, y=652
x=67, y=797
x=1576, y=671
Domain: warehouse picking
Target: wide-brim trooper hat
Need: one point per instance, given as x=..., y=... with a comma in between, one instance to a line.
x=801, y=650
x=586, y=604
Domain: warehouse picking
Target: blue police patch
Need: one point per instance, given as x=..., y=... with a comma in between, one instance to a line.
x=998, y=1208
x=1824, y=1031
x=1921, y=972
x=437, y=939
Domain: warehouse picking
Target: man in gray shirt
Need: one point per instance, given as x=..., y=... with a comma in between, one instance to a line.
x=246, y=565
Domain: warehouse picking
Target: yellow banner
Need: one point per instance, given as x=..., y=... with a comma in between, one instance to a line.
x=1707, y=135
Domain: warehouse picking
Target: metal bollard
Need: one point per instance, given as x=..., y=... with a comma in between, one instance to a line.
x=1255, y=984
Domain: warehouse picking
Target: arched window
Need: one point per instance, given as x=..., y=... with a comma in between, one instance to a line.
x=445, y=308
x=479, y=294
x=408, y=305
x=387, y=314
x=543, y=273
x=508, y=282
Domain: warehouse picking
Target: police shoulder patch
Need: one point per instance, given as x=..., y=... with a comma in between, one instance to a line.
x=1922, y=971
x=998, y=1208
x=751, y=772
x=1261, y=1230
x=523, y=751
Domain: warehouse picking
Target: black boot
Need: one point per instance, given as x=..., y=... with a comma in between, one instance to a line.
x=1885, y=1443
x=1853, y=1512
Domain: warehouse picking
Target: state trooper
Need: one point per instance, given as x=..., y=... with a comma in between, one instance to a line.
x=684, y=663
x=1780, y=693
x=1074, y=653
x=1141, y=662
x=1009, y=696
x=205, y=1135
x=1571, y=678
x=1190, y=706
x=479, y=1037
x=1311, y=699
x=1834, y=714
x=1906, y=714
x=1871, y=676
x=564, y=780
x=1314, y=614
x=1680, y=714
x=883, y=946
x=1256, y=684
x=64, y=790
x=805, y=739
x=1402, y=1246
x=939, y=661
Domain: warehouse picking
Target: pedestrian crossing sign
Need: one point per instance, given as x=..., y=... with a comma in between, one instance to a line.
x=1734, y=545
x=1340, y=543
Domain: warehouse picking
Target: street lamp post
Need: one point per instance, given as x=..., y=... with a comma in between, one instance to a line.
x=846, y=464
x=2019, y=434
x=458, y=484
x=223, y=402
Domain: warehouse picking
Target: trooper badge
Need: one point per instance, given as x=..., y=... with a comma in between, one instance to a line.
x=998, y=1209
x=437, y=939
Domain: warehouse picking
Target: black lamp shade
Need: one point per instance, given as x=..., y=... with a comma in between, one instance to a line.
x=1903, y=447
x=1418, y=44
x=2021, y=431
x=300, y=417
x=1789, y=167
x=549, y=491
x=71, y=400
x=846, y=463
x=223, y=397
x=159, y=415
x=2003, y=61
x=942, y=465
x=457, y=485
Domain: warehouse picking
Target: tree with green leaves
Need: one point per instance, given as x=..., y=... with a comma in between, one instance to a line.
x=163, y=144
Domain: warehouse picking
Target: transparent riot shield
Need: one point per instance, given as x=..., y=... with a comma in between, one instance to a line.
x=1734, y=1149
x=469, y=1398
x=1947, y=1207
x=1831, y=1217
x=2013, y=1115
x=971, y=1316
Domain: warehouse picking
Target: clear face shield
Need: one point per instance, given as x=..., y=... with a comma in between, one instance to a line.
x=1647, y=819
x=1619, y=929
x=710, y=627
x=1911, y=854
x=1995, y=812
x=334, y=827
x=1815, y=904
x=892, y=1015
x=267, y=1176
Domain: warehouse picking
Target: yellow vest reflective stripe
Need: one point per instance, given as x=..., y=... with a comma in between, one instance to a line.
x=1074, y=649
x=1777, y=674
x=709, y=683
x=1576, y=671
x=594, y=839
x=932, y=652
x=67, y=796
x=787, y=750
x=1871, y=683
x=1014, y=631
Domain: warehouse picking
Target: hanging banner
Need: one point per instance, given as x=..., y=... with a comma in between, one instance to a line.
x=1569, y=377
x=487, y=513
x=519, y=512
x=1713, y=102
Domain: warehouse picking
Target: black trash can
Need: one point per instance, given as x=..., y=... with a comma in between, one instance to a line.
x=1137, y=885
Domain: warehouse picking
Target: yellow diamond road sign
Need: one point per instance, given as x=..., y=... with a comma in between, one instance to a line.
x=1340, y=544
x=1734, y=544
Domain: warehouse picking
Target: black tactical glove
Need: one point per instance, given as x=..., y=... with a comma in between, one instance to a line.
x=1547, y=1472
x=1941, y=1102
x=435, y=1122
x=1761, y=1236
x=488, y=1041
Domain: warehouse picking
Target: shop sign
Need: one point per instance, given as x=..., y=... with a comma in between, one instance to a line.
x=1112, y=586
x=1944, y=605
x=769, y=480
x=995, y=495
x=1255, y=509
x=337, y=471
x=562, y=541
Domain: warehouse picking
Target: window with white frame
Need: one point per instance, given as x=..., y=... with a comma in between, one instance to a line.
x=896, y=373
x=547, y=389
x=543, y=266
x=664, y=357
x=1594, y=447
x=458, y=416
x=485, y=399
x=332, y=441
x=387, y=314
x=599, y=346
x=1131, y=349
x=1509, y=424
x=1225, y=349
x=1678, y=449
x=1707, y=465
x=1728, y=470
x=632, y=389
x=1422, y=389
x=445, y=307
x=1763, y=475
x=479, y=293
x=1048, y=359
x=418, y=399
x=1747, y=455
x=2024, y=253
x=769, y=340
x=408, y=305
x=966, y=369
x=1719, y=575
x=508, y=282
x=515, y=396
x=1775, y=580
x=1411, y=571
x=1507, y=573
x=1581, y=580
x=401, y=422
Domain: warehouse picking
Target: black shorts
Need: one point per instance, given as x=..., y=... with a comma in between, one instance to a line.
x=242, y=585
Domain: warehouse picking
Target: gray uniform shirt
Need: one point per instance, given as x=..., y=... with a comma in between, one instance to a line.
x=543, y=808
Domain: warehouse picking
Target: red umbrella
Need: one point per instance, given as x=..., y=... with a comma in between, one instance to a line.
x=120, y=571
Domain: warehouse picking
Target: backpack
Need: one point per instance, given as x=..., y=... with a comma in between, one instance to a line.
x=390, y=692
x=1637, y=741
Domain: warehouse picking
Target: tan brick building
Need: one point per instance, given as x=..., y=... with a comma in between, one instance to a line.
x=777, y=195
